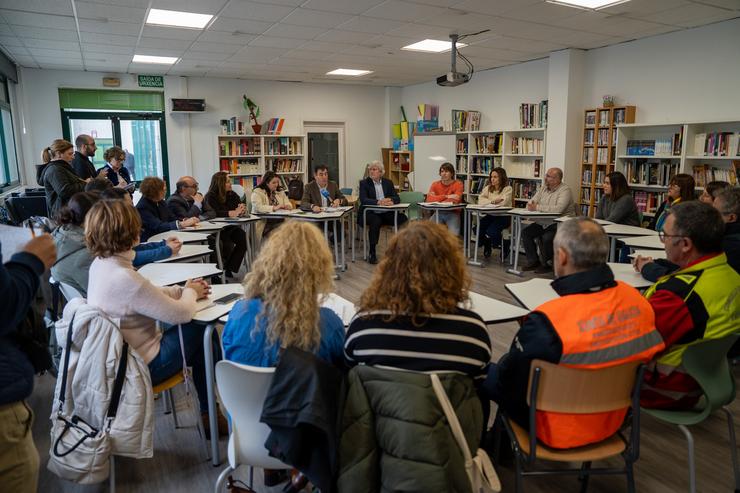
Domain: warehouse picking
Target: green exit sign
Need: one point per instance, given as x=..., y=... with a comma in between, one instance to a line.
x=151, y=81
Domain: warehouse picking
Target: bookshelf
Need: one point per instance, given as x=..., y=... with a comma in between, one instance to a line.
x=247, y=157
x=598, y=151
x=401, y=163
x=649, y=155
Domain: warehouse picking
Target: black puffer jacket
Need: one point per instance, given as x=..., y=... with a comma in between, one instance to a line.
x=60, y=182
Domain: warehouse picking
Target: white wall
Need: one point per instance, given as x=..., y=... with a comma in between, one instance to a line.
x=191, y=139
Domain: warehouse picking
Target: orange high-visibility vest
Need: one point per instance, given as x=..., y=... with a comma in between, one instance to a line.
x=601, y=329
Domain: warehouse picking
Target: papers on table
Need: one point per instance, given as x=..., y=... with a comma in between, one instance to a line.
x=439, y=204
x=342, y=307
x=655, y=254
x=13, y=239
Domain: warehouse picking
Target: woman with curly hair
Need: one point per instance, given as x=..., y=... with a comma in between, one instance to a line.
x=410, y=316
x=279, y=312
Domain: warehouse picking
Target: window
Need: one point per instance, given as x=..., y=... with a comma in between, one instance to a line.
x=8, y=159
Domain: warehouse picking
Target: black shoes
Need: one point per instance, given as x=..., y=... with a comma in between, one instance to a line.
x=372, y=259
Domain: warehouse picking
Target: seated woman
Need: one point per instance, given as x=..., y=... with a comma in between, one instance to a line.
x=447, y=189
x=498, y=192
x=114, y=170
x=617, y=204
x=112, y=229
x=155, y=216
x=711, y=190
x=279, y=312
x=269, y=197
x=410, y=316
x=680, y=189
x=222, y=201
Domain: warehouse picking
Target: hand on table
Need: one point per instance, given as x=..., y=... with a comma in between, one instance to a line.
x=336, y=203
x=639, y=262
x=452, y=196
x=191, y=221
x=174, y=243
x=532, y=206
x=201, y=287
x=316, y=208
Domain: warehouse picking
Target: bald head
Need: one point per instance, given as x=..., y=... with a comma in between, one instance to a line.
x=580, y=244
x=553, y=178
x=186, y=186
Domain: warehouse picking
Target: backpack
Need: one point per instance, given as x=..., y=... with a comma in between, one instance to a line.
x=295, y=189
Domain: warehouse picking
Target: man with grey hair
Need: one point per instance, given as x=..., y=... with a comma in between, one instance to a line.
x=555, y=196
x=376, y=190
x=596, y=322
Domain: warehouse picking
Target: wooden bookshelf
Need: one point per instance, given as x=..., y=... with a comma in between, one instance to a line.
x=401, y=163
x=599, y=151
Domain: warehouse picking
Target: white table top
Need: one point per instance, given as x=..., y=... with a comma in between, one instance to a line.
x=626, y=230
x=344, y=308
x=402, y=205
x=440, y=205
x=494, y=311
x=207, y=226
x=538, y=290
x=330, y=213
x=183, y=236
x=187, y=252
x=527, y=213
x=236, y=220
x=175, y=273
x=645, y=242
x=489, y=208
x=209, y=311
x=603, y=222
x=655, y=254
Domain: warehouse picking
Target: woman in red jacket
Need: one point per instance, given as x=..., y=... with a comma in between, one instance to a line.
x=447, y=189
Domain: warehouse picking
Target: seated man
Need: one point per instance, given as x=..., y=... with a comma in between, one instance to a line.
x=155, y=216
x=701, y=300
x=321, y=192
x=186, y=201
x=555, y=196
x=597, y=322
x=376, y=190
x=727, y=202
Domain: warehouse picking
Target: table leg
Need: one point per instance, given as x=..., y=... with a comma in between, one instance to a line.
x=466, y=229
x=518, y=226
x=337, y=261
x=477, y=239
x=219, y=259
x=211, y=391
x=364, y=233
x=343, y=245
x=612, y=248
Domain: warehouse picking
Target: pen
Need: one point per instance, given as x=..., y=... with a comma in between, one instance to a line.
x=33, y=233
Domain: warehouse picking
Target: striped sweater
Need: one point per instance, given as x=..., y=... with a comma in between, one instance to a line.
x=456, y=342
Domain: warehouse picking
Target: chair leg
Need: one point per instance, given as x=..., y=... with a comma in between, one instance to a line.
x=584, y=476
x=221, y=478
x=692, y=466
x=172, y=406
x=203, y=438
x=251, y=477
x=733, y=448
x=112, y=477
x=518, y=486
x=629, y=472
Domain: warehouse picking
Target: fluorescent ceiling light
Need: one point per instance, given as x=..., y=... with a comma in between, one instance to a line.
x=178, y=19
x=162, y=60
x=588, y=4
x=349, y=71
x=432, y=46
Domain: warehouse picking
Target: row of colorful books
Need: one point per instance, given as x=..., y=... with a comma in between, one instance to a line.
x=650, y=172
x=239, y=166
x=526, y=145
x=648, y=202
x=484, y=165
x=717, y=144
x=662, y=146
x=704, y=173
x=465, y=121
x=284, y=146
x=487, y=143
x=286, y=165
x=533, y=115
x=241, y=147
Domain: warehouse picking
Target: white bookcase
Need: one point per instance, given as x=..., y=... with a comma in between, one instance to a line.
x=247, y=157
x=690, y=148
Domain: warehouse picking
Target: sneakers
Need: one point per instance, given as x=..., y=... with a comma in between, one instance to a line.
x=223, y=424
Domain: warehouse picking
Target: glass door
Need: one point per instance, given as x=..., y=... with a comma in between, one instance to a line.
x=326, y=146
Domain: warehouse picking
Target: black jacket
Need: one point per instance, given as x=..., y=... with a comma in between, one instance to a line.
x=368, y=196
x=155, y=218
x=113, y=176
x=537, y=338
x=19, y=280
x=60, y=182
x=182, y=208
x=303, y=411
x=213, y=208
x=83, y=166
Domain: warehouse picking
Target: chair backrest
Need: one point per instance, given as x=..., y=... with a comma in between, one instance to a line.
x=23, y=207
x=69, y=292
x=706, y=362
x=243, y=390
x=238, y=189
x=346, y=191
x=412, y=198
x=581, y=391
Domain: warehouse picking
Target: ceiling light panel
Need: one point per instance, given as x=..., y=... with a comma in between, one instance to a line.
x=350, y=72
x=174, y=18
x=432, y=46
x=161, y=60
x=588, y=4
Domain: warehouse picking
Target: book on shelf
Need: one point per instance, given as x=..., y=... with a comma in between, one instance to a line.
x=239, y=166
x=588, y=155
x=465, y=121
x=526, y=145
x=602, y=155
x=588, y=137
x=241, y=147
x=524, y=169
x=704, y=173
x=461, y=165
x=248, y=183
x=717, y=144
x=461, y=145
x=484, y=164
x=619, y=117
x=273, y=126
x=477, y=185
x=284, y=165
x=639, y=172
x=662, y=146
x=584, y=210
x=533, y=115
x=487, y=143
x=648, y=202
x=284, y=145
x=590, y=119
x=603, y=136
x=524, y=189
x=604, y=118
x=232, y=126
x=586, y=177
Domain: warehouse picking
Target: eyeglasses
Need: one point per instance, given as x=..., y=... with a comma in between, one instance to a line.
x=662, y=236
x=195, y=185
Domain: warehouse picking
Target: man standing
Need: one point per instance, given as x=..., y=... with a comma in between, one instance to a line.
x=376, y=190
x=555, y=196
x=596, y=322
x=82, y=162
x=699, y=301
x=19, y=281
x=321, y=193
x=186, y=201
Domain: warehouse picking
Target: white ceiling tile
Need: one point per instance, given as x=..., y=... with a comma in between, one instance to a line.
x=39, y=53
x=323, y=46
x=421, y=31
x=171, y=52
x=110, y=39
x=25, y=61
x=366, y=24
x=493, y=7
x=292, y=3
x=147, y=68
x=492, y=53
x=439, y=3
x=242, y=9
x=10, y=41
x=187, y=72
x=310, y=54
x=258, y=53
x=203, y=55
x=295, y=32
x=104, y=59
x=345, y=6
x=207, y=47
x=49, y=34
x=239, y=25
x=228, y=38
x=405, y=11
x=142, y=4
x=197, y=64
x=17, y=51
x=195, y=6
x=520, y=45
x=639, y=8
x=542, y=12
x=97, y=11
x=17, y=18
x=587, y=41
x=107, y=49
x=461, y=21
x=162, y=44
x=690, y=15
x=275, y=42
x=339, y=36
x=115, y=28
x=171, y=33
x=39, y=6
x=53, y=64
x=728, y=4
x=110, y=68
x=315, y=18
x=52, y=45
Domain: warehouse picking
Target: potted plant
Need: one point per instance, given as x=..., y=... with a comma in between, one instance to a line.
x=254, y=113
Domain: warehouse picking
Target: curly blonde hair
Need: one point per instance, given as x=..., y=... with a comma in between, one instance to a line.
x=294, y=269
x=423, y=272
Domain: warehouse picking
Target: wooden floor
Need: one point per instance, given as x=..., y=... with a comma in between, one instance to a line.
x=178, y=464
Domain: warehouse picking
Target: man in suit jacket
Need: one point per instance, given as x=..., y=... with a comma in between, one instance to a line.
x=376, y=190
x=82, y=162
x=321, y=192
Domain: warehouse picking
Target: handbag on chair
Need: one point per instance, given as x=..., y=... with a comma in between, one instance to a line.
x=80, y=452
x=480, y=471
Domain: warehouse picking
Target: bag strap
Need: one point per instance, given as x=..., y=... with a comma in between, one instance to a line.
x=65, y=367
x=184, y=359
x=451, y=417
x=83, y=247
x=118, y=384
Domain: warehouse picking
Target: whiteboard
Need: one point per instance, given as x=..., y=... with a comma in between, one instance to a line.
x=430, y=151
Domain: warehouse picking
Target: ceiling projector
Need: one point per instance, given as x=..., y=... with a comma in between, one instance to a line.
x=453, y=78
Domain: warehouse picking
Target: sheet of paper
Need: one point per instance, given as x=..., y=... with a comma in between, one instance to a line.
x=12, y=239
